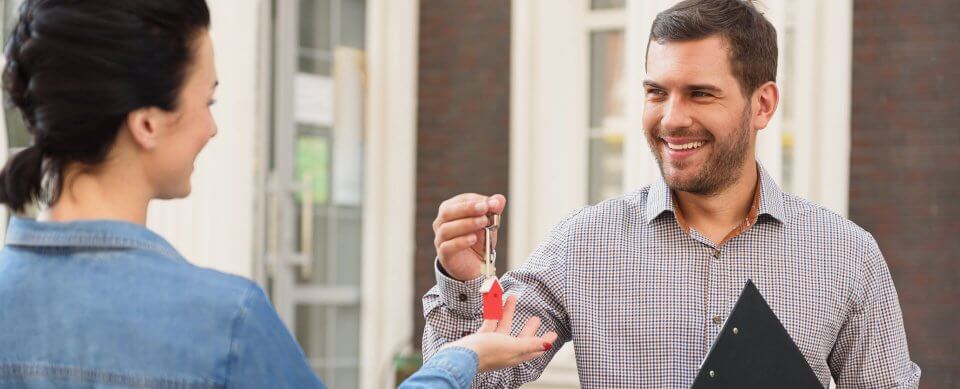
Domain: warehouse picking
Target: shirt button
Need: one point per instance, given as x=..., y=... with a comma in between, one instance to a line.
x=462, y=297
x=717, y=320
x=716, y=253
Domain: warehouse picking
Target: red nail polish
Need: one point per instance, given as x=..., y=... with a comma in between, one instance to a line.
x=547, y=346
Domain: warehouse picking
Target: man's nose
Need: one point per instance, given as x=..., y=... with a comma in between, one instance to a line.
x=676, y=115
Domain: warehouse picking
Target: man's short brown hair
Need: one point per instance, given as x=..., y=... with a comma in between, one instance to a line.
x=750, y=36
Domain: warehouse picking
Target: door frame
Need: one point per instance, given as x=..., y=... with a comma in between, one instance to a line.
x=388, y=186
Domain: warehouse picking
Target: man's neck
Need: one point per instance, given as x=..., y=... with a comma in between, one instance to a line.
x=716, y=215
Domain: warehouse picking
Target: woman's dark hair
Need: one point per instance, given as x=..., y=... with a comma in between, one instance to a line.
x=75, y=70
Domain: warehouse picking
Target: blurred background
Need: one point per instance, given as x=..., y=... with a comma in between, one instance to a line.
x=345, y=123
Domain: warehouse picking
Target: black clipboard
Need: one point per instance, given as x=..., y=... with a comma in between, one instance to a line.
x=753, y=350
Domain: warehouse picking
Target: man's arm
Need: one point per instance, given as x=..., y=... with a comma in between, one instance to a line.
x=453, y=309
x=871, y=349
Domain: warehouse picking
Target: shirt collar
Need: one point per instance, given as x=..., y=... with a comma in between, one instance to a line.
x=660, y=199
x=102, y=234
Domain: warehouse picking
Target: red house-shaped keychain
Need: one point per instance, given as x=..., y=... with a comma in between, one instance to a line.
x=490, y=289
x=492, y=299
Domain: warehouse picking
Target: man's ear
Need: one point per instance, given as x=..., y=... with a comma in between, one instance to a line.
x=765, y=101
x=145, y=126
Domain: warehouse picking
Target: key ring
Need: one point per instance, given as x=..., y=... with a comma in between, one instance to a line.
x=489, y=249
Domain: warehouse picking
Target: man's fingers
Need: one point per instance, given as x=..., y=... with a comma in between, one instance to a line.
x=467, y=205
x=454, y=246
x=497, y=203
x=453, y=210
x=506, y=323
x=456, y=228
x=530, y=327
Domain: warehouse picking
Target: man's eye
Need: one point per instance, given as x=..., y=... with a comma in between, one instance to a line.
x=655, y=92
x=701, y=94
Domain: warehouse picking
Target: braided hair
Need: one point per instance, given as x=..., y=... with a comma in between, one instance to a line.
x=77, y=68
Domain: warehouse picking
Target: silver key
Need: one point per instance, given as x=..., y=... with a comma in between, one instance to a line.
x=489, y=250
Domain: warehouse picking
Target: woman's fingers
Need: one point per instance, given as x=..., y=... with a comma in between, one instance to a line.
x=506, y=323
x=488, y=326
x=530, y=327
x=549, y=337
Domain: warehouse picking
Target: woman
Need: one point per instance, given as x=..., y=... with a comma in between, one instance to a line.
x=117, y=96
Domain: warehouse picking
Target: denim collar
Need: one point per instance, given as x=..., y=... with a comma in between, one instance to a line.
x=771, y=198
x=100, y=234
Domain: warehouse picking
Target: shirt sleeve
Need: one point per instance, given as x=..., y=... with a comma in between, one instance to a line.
x=263, y=354
x=871, y=349
x=452, y=367
x=453, y=309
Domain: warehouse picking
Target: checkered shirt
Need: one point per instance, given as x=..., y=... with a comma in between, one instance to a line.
x=643, y=301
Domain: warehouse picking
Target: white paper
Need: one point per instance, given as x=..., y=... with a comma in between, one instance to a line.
x=313, y=102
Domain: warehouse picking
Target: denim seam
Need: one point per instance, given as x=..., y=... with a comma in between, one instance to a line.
x=44, y=370
x=232, y=354
x=98, y=239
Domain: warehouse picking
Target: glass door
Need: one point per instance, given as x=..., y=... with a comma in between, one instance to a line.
x=315, y=194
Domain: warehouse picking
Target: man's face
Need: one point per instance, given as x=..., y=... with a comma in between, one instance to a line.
x=695, y=117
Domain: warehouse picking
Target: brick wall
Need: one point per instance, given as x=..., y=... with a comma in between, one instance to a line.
x=905, y=165
x=463, y=117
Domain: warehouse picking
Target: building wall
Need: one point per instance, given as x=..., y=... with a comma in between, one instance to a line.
x=462, y=118
x=905, y=165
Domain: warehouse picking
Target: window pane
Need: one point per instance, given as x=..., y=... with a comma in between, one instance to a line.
x=314, y=25
x=607, y=4
x=352, y=23
x=330, y=338
x=309, y=332
x=347, y=258
x=314, y=49
x=607, y=89
x=606, y=126
x=344, y=378
x=606, y=168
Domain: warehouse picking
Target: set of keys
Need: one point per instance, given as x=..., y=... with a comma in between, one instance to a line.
x=490, y=289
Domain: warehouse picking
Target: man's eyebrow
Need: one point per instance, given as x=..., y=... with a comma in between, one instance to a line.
x=703, y=87
x=692, y=87
x=652, y=84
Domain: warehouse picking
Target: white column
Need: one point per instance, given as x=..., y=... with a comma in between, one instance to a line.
x=389, y=201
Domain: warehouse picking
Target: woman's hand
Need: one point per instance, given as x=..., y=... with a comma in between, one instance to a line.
x=497, y=349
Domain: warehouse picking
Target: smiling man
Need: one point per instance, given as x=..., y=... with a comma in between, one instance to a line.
x=641, y=284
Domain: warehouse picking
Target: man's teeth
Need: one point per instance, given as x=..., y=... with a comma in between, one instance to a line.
x=685, y=146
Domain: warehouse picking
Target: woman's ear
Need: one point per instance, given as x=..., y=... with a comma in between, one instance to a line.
x=145, y=126
x=765, y=102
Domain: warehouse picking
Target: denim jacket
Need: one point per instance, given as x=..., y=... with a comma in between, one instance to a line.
x=108, y=304
x=451, y=368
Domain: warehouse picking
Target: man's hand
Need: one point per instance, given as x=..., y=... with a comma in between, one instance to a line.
x=496, y=349
x=458, y=232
